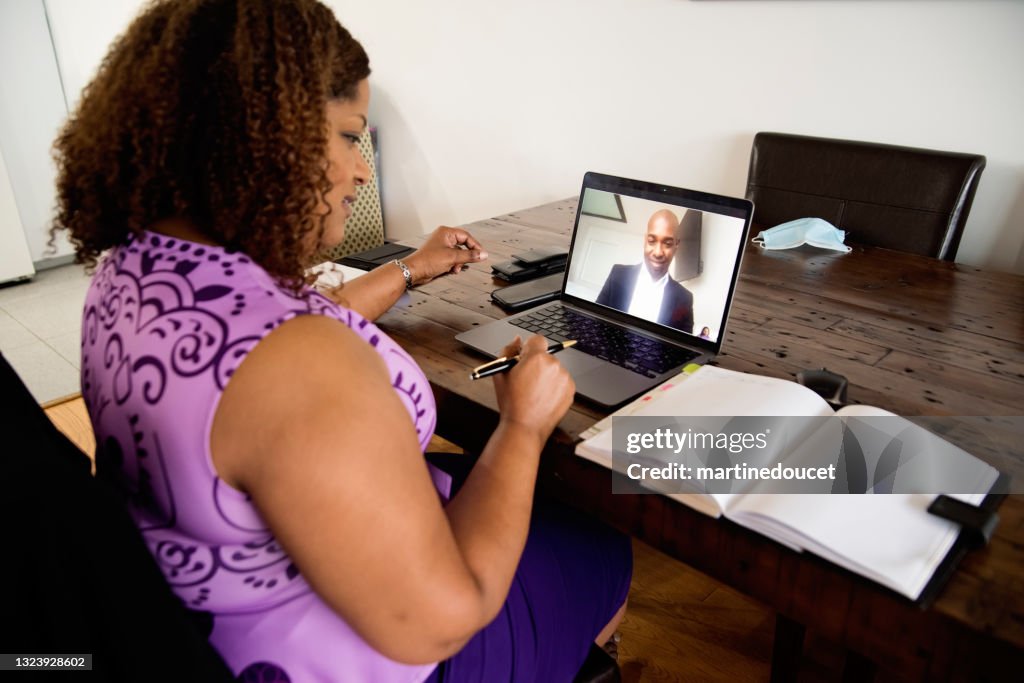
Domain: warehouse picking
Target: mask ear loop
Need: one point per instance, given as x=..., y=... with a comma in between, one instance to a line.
x=755, y=240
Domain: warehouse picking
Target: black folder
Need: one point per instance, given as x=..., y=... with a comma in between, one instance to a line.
x=378, y=256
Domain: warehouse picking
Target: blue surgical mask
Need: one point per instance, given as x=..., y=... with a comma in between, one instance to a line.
x=813, y=231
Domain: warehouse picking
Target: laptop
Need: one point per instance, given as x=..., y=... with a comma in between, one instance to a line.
x=646, y=291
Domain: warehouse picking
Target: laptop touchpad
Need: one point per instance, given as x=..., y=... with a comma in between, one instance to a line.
x=578, y=363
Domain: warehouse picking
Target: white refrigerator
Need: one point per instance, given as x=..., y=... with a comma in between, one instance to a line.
x=15, y=259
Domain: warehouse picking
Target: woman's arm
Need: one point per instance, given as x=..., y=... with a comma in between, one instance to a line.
x=445, y=251
x=490, y=516
x=330, y=457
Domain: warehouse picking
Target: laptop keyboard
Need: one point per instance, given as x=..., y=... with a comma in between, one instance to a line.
x=641, y=354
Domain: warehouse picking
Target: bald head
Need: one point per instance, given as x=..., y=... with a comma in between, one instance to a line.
x=660, y=242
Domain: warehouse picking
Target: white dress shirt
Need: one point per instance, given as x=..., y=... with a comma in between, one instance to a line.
x=647, y=295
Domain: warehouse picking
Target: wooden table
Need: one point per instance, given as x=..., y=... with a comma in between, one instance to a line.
x=914, y=335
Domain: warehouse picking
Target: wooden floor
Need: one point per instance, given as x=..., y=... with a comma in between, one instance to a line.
x=71, y=417
x=680, y=626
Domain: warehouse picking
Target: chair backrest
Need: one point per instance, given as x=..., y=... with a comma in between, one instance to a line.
x=364, y=229
x=903, y=198
x=76, y=577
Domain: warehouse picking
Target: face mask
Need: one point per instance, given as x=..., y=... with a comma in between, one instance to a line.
x=813, y=231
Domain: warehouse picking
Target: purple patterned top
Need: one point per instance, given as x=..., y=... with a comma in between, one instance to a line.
x=165, y=324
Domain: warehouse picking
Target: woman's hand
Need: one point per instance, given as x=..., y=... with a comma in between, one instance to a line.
x=537, y=392
x=445, y=251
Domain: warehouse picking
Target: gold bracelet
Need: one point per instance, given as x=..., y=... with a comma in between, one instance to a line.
x=406, y=273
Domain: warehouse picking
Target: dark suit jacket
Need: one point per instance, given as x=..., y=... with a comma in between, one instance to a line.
x=676, y=306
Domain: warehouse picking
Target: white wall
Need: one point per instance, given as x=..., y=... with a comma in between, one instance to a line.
x=82, y=33
x=32, y=110
x=485, y=108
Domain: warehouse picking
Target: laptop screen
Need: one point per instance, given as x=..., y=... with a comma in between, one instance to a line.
x=660, y=254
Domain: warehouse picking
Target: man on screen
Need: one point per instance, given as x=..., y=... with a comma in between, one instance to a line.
x=646, y=290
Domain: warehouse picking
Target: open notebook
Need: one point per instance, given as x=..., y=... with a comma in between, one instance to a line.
x=889, y=538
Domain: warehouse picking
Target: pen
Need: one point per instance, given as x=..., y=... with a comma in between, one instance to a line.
x=508, y=362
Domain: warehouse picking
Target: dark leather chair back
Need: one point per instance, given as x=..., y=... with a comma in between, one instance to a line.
x=76, y=577
x=903, y=198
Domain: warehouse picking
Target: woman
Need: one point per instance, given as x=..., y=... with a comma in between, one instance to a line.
x=269, y=440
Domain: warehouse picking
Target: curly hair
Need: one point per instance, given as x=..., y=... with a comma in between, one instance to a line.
x=212, y=111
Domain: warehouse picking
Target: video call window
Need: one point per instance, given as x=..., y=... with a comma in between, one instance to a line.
x=661, y=262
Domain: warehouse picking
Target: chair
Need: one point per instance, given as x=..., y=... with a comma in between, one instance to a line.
x=76, y=576
x=902, y=198
x=365, y=227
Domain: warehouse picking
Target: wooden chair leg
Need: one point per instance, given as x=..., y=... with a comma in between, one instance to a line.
x=787, y=650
